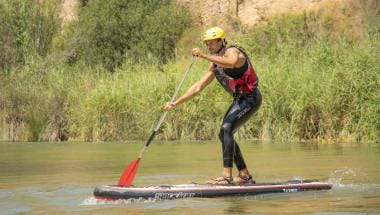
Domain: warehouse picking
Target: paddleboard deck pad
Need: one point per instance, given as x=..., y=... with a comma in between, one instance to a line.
x=115, y=192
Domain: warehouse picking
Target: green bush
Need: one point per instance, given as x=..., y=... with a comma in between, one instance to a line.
x=108, y=32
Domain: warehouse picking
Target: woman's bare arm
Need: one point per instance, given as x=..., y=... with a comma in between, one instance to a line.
x=194, y=90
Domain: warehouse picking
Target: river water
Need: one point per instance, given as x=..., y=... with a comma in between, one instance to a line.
x=59, y=178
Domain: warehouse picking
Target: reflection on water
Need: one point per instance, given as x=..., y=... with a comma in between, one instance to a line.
x=59, y=178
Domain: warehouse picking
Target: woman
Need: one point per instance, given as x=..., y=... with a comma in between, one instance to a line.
x=232, y=68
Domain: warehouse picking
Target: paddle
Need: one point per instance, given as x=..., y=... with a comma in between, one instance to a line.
x=130, y=171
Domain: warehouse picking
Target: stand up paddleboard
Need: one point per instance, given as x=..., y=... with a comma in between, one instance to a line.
x=114, y=192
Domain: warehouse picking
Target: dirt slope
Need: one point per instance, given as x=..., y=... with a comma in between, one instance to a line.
x=249, y=12
x=69, y=11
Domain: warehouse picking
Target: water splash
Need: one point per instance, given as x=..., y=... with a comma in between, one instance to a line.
x=339, y=175
x=94, y=201
x=346, y=182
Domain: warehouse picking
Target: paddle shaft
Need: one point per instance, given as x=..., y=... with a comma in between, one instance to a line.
x=155, y=130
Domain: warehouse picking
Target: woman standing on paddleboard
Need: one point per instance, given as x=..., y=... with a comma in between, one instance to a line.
x=232, y=68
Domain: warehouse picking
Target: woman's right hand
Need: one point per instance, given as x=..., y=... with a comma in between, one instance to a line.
x=196, y=52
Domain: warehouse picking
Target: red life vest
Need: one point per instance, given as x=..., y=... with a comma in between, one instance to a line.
x=243, y=85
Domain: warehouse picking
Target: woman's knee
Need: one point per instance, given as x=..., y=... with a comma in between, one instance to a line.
x=226, y=129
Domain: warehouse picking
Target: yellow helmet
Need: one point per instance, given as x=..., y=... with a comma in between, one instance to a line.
x=214, y=33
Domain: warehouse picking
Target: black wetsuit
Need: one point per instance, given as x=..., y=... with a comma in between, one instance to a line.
x=245, y=103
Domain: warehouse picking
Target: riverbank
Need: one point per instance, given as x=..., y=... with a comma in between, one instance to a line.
x=317, y=85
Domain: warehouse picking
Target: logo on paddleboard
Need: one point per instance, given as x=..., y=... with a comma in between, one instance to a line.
x=290, y=190
x=179, y=195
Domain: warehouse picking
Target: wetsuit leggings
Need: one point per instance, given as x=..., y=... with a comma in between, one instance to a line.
x=238, y=113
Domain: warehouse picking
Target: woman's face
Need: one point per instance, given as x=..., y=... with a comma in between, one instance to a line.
x=213, y=45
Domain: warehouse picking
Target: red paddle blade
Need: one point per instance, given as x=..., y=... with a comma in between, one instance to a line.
x=129, y=173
